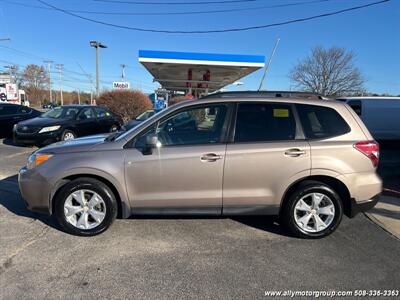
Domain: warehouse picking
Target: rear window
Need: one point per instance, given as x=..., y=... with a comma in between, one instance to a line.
x=258, y=122
x=321, y=122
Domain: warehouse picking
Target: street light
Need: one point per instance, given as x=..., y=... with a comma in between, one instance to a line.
x=97, y=45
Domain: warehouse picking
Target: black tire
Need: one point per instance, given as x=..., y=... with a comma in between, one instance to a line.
x=288, y=211
x=90, y=184
x=67, y=131
x=114, y=128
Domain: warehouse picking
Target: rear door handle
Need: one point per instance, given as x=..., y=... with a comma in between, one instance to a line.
x=210, y=157
x=294, y=152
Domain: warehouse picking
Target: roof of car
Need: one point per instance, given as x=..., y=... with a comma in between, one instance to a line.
x=331, y=103
x=262, y=94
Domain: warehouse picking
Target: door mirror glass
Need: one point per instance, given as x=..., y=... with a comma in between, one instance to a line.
x=152, y=141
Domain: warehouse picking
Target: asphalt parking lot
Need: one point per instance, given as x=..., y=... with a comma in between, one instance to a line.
x=174, y=258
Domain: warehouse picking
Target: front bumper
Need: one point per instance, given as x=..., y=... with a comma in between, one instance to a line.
x=37, y=138
x=357, y=207
x=35, y=190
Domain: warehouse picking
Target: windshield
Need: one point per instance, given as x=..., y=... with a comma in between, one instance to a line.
x=144, y=116
x=61, y=113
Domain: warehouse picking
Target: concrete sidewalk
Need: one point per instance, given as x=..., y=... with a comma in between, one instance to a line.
x=387, y=213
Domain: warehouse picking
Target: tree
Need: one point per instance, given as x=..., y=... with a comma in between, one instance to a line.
x=35, y=80
x=124, y=103
x=329, y=72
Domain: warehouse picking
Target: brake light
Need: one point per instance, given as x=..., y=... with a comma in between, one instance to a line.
x=370, y=149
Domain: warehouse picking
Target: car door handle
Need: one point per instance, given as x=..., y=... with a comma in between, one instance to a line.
x=294, y=152
x=210, y=157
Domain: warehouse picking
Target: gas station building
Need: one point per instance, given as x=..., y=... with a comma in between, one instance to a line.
x=197, y=74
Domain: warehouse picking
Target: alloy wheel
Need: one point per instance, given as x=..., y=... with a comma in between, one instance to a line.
x=84, y=209
x=314, y=212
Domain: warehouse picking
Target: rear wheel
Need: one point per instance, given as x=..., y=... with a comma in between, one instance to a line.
x=313, y=210
x=85, y=207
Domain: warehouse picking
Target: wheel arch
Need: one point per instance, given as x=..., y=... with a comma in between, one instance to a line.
x=123, y=209
x=337, y=185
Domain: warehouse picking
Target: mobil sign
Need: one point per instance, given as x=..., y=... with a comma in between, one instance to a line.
x=121, y=85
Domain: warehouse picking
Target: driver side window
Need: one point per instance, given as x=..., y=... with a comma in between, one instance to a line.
x=192, y=126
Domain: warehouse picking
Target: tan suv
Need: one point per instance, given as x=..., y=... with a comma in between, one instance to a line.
x=308, y=161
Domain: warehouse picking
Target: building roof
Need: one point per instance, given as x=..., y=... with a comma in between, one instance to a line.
x=171, y=69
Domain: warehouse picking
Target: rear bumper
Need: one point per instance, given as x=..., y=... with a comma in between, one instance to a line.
x=357, y=207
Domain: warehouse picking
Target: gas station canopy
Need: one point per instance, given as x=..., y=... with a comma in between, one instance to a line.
x=198, y=72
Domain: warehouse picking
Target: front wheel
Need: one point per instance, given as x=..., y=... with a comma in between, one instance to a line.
x=85, y=207
x=114, y=128
x=313, y=210
x=68, y=135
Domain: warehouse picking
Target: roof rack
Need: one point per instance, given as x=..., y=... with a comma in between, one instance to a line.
x=272, y=94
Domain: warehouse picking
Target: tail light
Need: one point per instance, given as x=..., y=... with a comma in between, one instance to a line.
x=370, y=149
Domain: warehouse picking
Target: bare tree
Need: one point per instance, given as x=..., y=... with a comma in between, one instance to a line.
x=35, y=80
x=329, y=72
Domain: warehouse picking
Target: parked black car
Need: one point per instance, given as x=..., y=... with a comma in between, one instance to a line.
x=11, y=114
x=139, y=119
x=65, y=123
x=49, y=106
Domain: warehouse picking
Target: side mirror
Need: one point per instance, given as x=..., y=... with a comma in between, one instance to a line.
x=152, y=141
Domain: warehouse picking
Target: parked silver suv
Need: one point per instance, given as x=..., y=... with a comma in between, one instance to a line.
x=308, y=161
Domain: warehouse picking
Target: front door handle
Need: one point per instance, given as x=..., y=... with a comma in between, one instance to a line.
x=210, y=157
x=294, y=152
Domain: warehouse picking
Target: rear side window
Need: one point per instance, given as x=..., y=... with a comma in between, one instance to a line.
x=321, y=122
x=102, y=113
x=257, y=122
x=8, y=109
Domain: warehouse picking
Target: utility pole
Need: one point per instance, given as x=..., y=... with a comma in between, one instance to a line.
x=59, y=68
x=49, y=62
x=97, y=45
x=79, y=97
x=10, y=68
x=123, y=66
x=269, y=63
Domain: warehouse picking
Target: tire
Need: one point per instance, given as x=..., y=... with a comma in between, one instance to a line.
x=66, y=135
x=70, y=214
x=303, y=219
x=114, y=128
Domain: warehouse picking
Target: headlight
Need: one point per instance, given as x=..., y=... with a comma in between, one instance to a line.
x=36, y=159
x=50, y=128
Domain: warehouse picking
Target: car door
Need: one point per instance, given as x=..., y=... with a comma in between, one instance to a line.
x=267, y=153
x=184, y=173
x=104, y=119
x=86, y=122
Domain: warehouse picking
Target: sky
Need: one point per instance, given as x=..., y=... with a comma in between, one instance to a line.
x=39, y=34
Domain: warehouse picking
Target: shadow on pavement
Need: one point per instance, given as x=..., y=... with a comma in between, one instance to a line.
x=10, y=142
x=264, y=223
x=11, y=199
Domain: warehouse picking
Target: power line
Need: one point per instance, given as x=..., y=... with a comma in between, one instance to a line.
x=175, y=3
x=215, y=30
x=173, y=13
